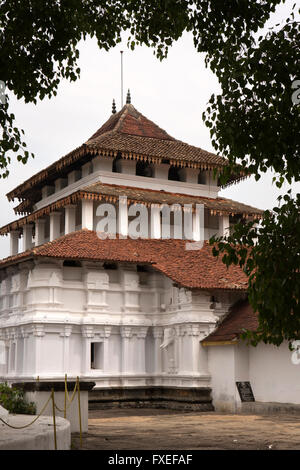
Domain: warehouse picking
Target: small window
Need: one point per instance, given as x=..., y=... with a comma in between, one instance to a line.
x=202, y=177
x=97, y=356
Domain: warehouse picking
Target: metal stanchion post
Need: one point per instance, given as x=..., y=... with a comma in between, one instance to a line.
x=79, y=411
x=66, y=391
x=54, y=423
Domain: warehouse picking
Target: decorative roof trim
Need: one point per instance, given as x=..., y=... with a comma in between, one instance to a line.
x=85, y=149
x=90, y=195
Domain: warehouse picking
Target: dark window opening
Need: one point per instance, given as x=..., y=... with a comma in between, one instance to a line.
x=114, y=165
x=174, y=174
x=202, y=177
x=142, y=268
x=97, y=355
x=72, y=264
x=144, y=169
x=113, y=266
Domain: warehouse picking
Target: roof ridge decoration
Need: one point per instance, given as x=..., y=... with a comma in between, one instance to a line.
x=114, y=109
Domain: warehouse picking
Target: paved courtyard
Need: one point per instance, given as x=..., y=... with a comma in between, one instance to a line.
x=142, y=429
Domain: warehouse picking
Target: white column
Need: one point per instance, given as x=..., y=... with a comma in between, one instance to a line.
x=179, y=347
x=87, y=334
x=70, y=218
x=25, y=347
x=223, y=225
x=39, y=232
x=85, y=169
x=38, y=333
x=106, y=358
x=54, y=225
x=158, y=335
x=161, y=170
x=102, y=163
x=198, y=223
x=197, y=359
x=46, y=191
x=126, y=334
x=73, y=176
x=126, y=166
x=123, y=217
x=27, y=237
x=141, y=356
x=87, y=214
x=14, y=242
x=65, y=334
x=60, y=183
x=155, y=222
x=209, y=178
x=189, y=175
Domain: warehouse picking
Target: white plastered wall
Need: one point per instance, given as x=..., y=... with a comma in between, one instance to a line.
x=51, y=315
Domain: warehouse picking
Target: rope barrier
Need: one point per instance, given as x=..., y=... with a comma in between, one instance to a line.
x=27, y=425
x=67, y=393
x=66, y=407
x=54, y=406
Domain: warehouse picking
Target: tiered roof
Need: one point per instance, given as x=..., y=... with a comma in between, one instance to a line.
x=127, y=134
x=194, y=269
x=111, y=193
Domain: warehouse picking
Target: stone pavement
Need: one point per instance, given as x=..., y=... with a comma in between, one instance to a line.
x=146, y=429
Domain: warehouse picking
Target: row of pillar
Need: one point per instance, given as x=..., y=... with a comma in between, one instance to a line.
x=87, y=221
x=39, y=239
x=100, y=163
x=185, y=355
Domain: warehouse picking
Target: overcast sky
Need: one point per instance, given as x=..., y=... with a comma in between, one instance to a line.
x=173, y=93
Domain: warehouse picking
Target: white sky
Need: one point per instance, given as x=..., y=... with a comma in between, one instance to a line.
x=173, y=93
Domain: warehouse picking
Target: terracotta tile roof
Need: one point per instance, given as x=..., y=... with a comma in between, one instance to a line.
x=127, y=134
x=240, y=317
x=129, y=121
x=157, y=149
x=196, y=269
x=111, y=193
x=130, y=131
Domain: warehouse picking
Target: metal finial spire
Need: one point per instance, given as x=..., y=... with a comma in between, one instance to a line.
x=121, y=79
x=128, y=98
x=114, y=110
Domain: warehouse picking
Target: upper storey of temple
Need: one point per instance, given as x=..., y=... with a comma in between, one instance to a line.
x=132, y=164
x=127, y=150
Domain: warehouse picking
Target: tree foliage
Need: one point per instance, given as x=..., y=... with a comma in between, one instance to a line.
x=254, y=121
x=269, y=253
x=13, y=400
x=39, y=41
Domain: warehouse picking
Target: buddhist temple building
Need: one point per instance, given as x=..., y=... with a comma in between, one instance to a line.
x=80, y=295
